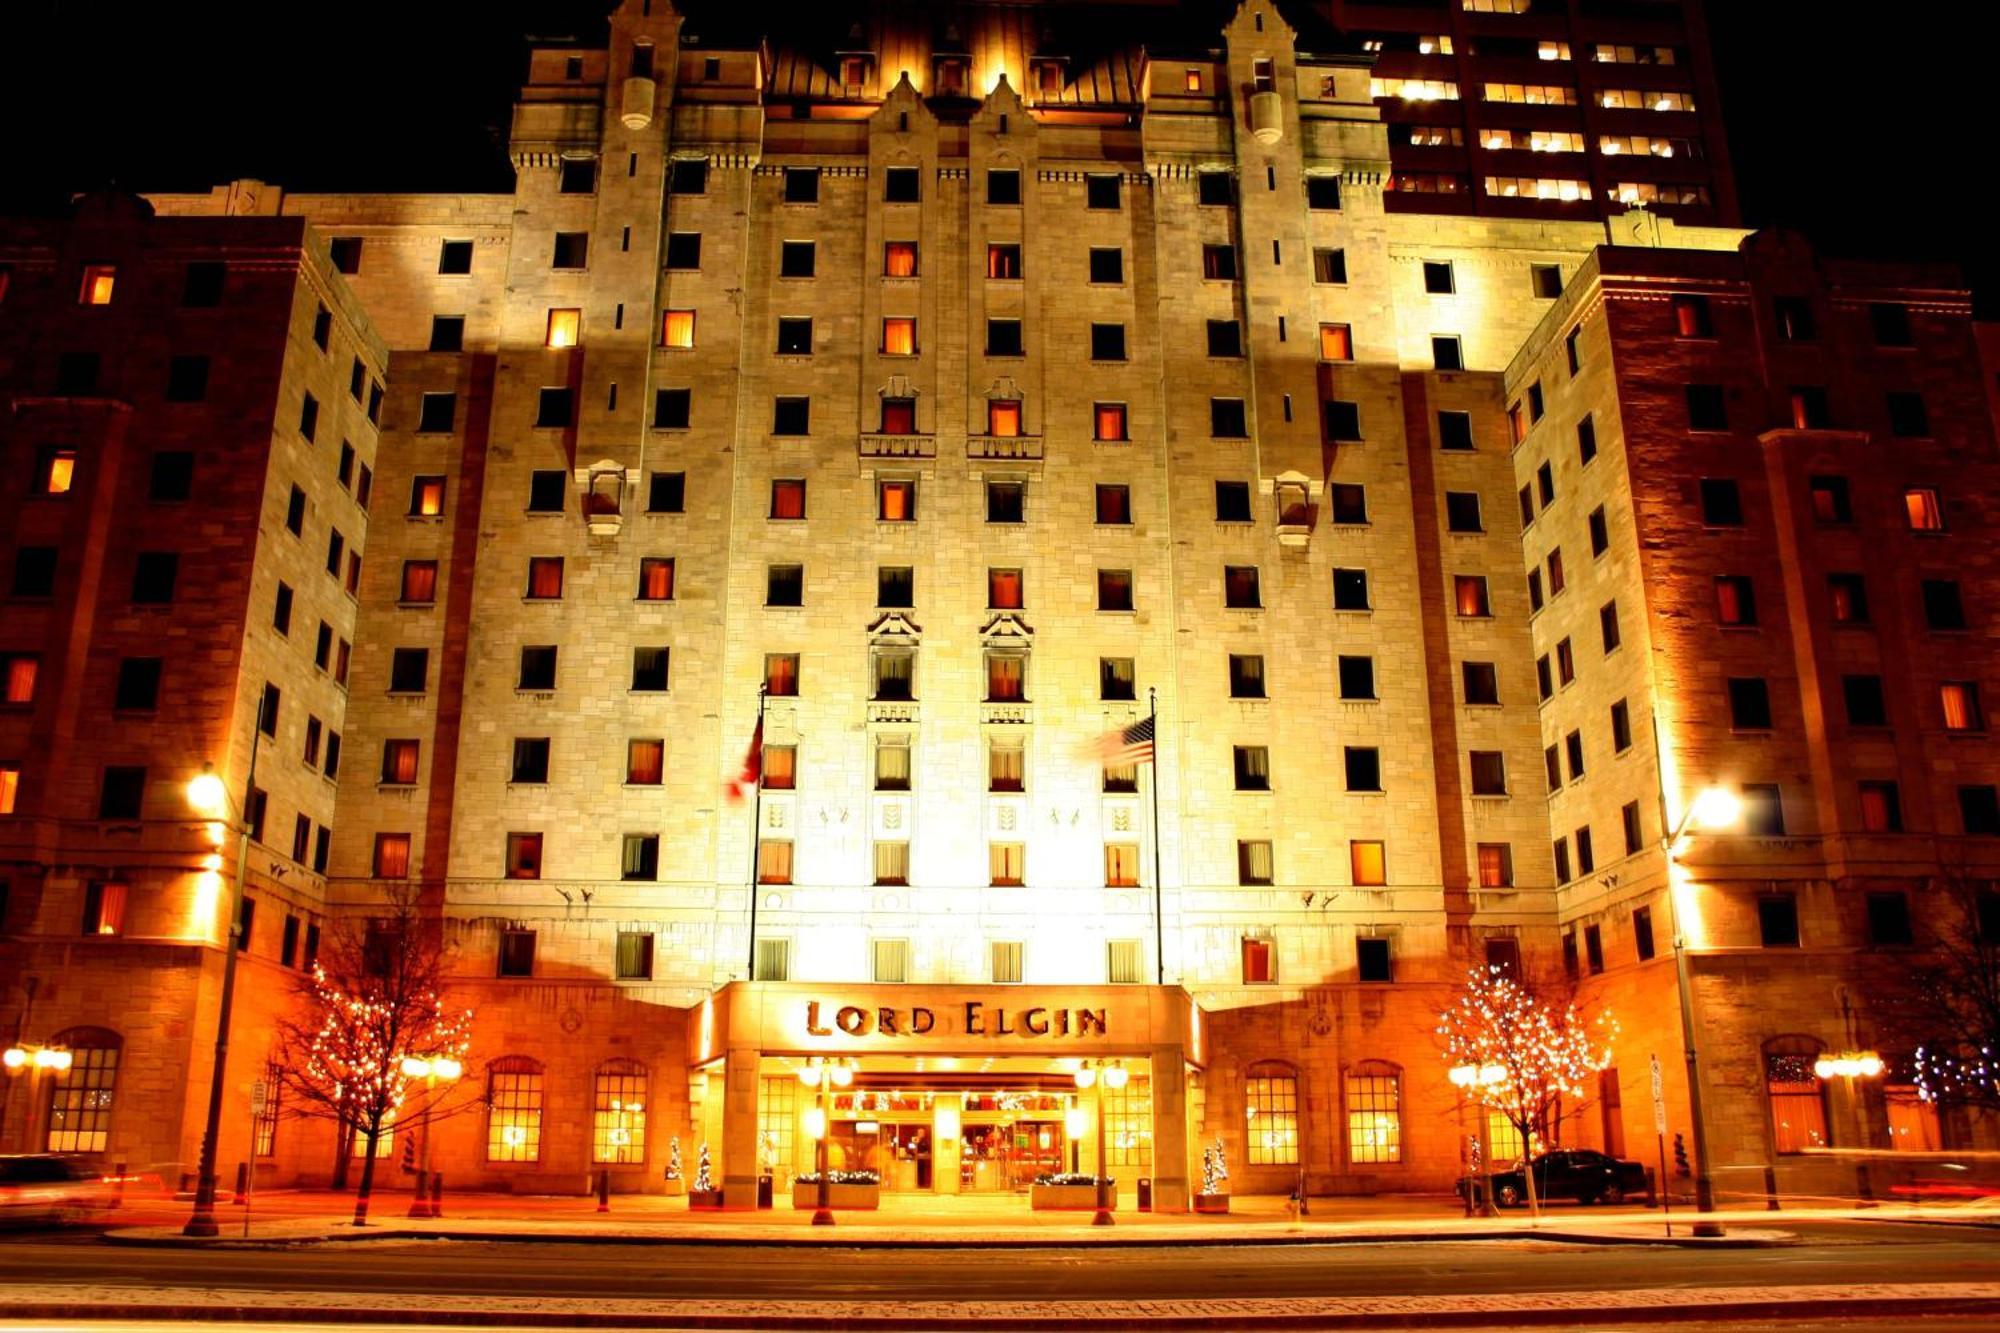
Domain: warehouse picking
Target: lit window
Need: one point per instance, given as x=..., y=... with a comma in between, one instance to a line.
x=1960, y=699
x=545, y=577
x=56, y=472
x=1336, y=342
x=1925, y=512
x=1369, y=863
x=1253, y=862
x=899, y=336
x=1006, y=677
x=1191, y=81
x=399, y=762
x=98, y=280
x=892, y=866
x=1271, y=1103
x=1496, y=865
x=618, y=1116
x=392, y=855
x=788, y=499
x=899, y=259
x=1006, y=864
x=656, y=579
x=10, y=787
x=1797, y=1096
x=1003, y=417
x=1003, y=589
x=1469, y=594
x=514, y=1117
x=677, y=328
x=104, y=909
x=780, y=768
x=774, y=861
x=566, y=328
x=781, y=675
x=81, y=1096
x=426, y=497
x=1121, y=865
x=1108, y=422
x=17, y=677
x=419, y=582
x=524, y=856
x=892, y=761
x=645, y=762
x=1374, y=1113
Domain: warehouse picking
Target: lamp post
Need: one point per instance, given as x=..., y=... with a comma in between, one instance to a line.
x=210, y=797
x=819, y=1073
x=433, y=1070
x=1101, y=1075
x=34, y=1061
x=1464, y=1078
x=1713, y=808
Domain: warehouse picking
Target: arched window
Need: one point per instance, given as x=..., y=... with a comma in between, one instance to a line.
x=618, y=1123
x=1374, y=1113
x=1798, y=1098
x=1271, y=1104
x=514, y=1110
x=80, y=1097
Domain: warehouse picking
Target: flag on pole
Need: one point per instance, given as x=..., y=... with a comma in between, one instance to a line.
x=1127, y=745
x=753, y=767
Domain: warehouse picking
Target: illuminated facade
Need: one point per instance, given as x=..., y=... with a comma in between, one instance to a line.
x=970, y=399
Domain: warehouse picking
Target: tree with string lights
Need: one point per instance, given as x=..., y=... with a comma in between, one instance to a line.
x=372, y=1005
x=1536, y=1055
x=1947, y=1006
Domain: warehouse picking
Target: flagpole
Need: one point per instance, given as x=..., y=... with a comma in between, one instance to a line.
x=756, y=823
x=1159, y=909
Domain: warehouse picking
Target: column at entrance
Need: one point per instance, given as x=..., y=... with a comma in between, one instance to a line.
x=1170, y=1130
x=739, y=1130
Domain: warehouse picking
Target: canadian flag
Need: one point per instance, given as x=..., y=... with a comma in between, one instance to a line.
x=753, y=767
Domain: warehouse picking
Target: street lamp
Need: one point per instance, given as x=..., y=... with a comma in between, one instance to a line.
x=1104, y=1074
x=1712, y=809
x=819, y=1073
x=210, y=798
x=433, y=1070
x=1464, y=1078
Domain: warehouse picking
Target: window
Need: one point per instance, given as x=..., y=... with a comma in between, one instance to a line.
x=1545, y=281
x=76, y=374
x=1239, y=587
x=1563, y=876
x=1225, y=338
x=154, y=574
x=676, y=330
x=392, y=856
x=1003, y=589
x=1253, y=862
x=1960, y=702
x=619, y=1095
x=780, y=768
x=795, y=338
x=1527, y=506
x=426, y=497
x=545, y=578
x=1121, y=865
x=1586, y=859
x=1721, y=503
x=1600, y=532
x=399, y=762
x=1116, y=679
x=645, y=762
x=1357, y=677
x=1003, y=185
x=1329, y=266
x=172, y=478
x=892, y=763
x=577, y=175
x=896, y=501
x=1482, y=682
x=1830, y=500
x=781, y=675
x=801, y=185
x=1004, y=958
x=419, y=582
x=1107, y=264
x=1446, y=352
x=1114, y=590
x=788, y=499
x=1621, y=727
x=565, y=328
x=1006, y=677
x=531, y=760
x=1368, y=863
x=639, y=860
x=1227, y=420
x=895, y=586
x=1232, y=502
x=1253, y=767
x=514, y=1088
x=1890, y=324
x=323, y=326
x=1438, y=278
x=1003, y=337
x=1908, y=418
x=1363, y=765
x=899, y=259
x=1763, y=810
x=892, y=863
x=1469, y=595
x=1218, y=263
x=104, y=909
x=1922, y=508
x=447, y=333
x=1461, y=511
x=899, y=336
x=1272, y=1104
x=546, y=489
x=187, y=379
x=1343, y=421
x=138, y=688
x=1573, y=749
x=1796, y=1094
x=553, y=407
x=1593, y=948
x=408, y=670
x=774, y=861
x=98, y=282
x=82, y=1096
x=785, y=585
x=1005, y=864
x=1545, y=484
x=1350, y=590
x=1489, y=773
x=524, y=856
x=892, y=960
x=900, y=185
x=893, y=670
x=1735, y=600
x=1881, y=807
x=1246, y=676
x=797, y=259
x=1706, y=408
x=1454, y=430
x=201, y=285
x=1002, y=261
x=1944, y=608
x=1810, y=410
x=1349, y=502
x=1107, y=342
x=17, y=677
x=1544, y=679
x=1214, y=188
x=1979, y=810
x=1496, y=865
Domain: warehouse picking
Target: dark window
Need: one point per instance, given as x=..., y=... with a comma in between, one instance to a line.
x=1116, y=679
x=1246, y=676
x=1114, y=590
x=1107, y=264
x=1447, y=353
x=295, y=512
x=309, y=417
x=1343, y=420
x=322, y=328
x=173, y=476
x=281, y=611
x=688, y=175
x=1979, y=808
x=448, y=333
x=1890, y=324
x=1114, y=505
x=1544, y=678
x=791, y=416
x=1793, y=316
x=1232, y=502
x=517, y=949
x=1749, y=703
x=1482, y=682
x=796, y=259
x=1364, y=768
x=138, y=685
x=76, y=374
x=1003, y=337
x=1830, y=501
x=801, y=185
x=649, y=669
x=1763, y=810
x=1552, y=766
x=1586, y=440
x=1004, y=502
x=1357, y=677
x=670, y=408
x=1218, y=262
x=1227, y=420
x=455, y=257
x=437, y=411
x=1323, y=192
x=1545, y=484
x=578, y=175
x=1889, y=919
x=1721, y=503
x=785, y=585
x=1607, y=625
x=1907, y=417
x=187, y=379
x=202, y=285
x=1461, y=511
x=409, y=668
x=1943, y=608
x=1810, y=410
x=795, y=337
x=1545, y=281
x=572, y=248
x=684, y=250
x=1003, y=186
x=122, y=794
x=1438, y=277
x=1778, y=921
x=154, y=574
x=1692, y=318
x=546, y=491
x=1593, y=947
x=1252, y=767
x=1628, y=815
x=1706, y=407
x=1561, y=850
x=1213, y=187
x=552, y=408
x=531, y=759
x=1107, y=342
x=1330, y=266
x=1489, y=773
x=1348, y=502
x=666, y=492
x=1454, y=430
x=1867, y=704
x=1735, y=600
x=538, y=668
x=1239, y=587
x=1225, y=338
x=1101, y=191
x=1621, y=727
x=1350, y=590
x=1371, y=960
x=1504, y=955
x=1573, y=749
x=345, y=251
x=901, y=185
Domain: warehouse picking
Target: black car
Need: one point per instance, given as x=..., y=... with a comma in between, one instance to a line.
x=1582, y=1174
x=46, y=1187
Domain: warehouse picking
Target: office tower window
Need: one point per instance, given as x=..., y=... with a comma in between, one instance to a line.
x=1439, y=279
x=1253, y=862
x=1350, y=590
x=1735, y=600
x=1481, y=681
x=1364, y=767
x=899, y=259
x=1329, y=266
x=1246, y=676
x=1357, y=677
x=797, y=259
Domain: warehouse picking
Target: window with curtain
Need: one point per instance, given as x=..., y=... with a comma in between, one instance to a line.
x=781, y=675
x=899, y=336
x=1496, y=865
x=656, y=579
x=1368, y=863
x=1003, y=417
x=1006, y=677
x=618, y=1114
x=892, y=863
x=514, y=1110
x=899, y=259
x=1006, y=863
x=781, y=766
x=1797, y=1097
x=1006, y=767
x=1374, y=1113
x=892, y=763
x=1272, y=1104
x=1253, y=862
x=1003, y=589
x=774, y=861
x=895, y=674
x=1108, y=421
x=545, y=577
x=645, y=762
x=899, y=416
x=1121, y=865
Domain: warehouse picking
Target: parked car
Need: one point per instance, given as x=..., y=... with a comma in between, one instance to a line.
x=1582, y=1174
x=44, y=1187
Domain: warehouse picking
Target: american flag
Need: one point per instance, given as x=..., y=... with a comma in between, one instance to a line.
x=1128, y=745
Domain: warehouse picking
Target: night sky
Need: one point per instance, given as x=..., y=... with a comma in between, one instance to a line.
x=1873, y=139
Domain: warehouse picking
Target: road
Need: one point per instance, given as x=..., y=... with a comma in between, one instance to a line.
x=1831, y=1253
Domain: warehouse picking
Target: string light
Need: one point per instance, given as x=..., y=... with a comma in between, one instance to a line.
x=1528, y=1054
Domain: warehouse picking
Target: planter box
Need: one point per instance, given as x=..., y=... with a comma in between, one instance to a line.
x=1211, y=1203
x=704, y=1198
x=806, y=1195
x=1069, y=1196
x=676, y=1187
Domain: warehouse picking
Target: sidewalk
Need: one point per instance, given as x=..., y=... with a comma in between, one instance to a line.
x=287, y=1217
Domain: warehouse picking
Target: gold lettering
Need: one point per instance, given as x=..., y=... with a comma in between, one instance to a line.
x=852, y=1021
x=1036, y=1022
x=974, y=1026
x=1086, y=1019
x=922, y=1021
x=812, y=1021
x=885, y=1021
x=1062, y=1022
x=1000, y=1028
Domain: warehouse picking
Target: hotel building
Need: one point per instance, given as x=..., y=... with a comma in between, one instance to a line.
x=930, y=402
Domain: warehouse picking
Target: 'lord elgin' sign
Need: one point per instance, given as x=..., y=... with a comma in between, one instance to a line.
x=977, y=1020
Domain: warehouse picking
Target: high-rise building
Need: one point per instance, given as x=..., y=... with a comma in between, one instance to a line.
x=834, y=446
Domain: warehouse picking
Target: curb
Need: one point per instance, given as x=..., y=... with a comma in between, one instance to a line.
x=1560, y=1315
x=852, y=1241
